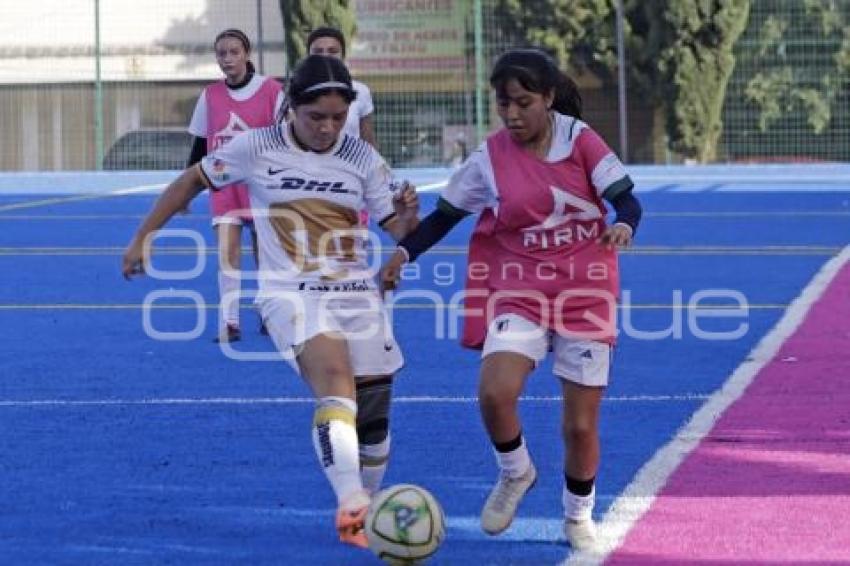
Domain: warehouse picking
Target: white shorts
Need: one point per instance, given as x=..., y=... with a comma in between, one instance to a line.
x=585, y=362
x=293, y=317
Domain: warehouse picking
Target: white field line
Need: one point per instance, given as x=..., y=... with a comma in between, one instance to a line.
x=639, y=495
x=414, y=399
x=762, y=178
x=82, y=197
x=460, y=527
x=392, y=306
x=154, y=188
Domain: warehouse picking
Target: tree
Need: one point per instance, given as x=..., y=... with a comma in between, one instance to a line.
x=300, y=17
x=679, y=54
x=697, y=64
x=578, y=33
x=796, y=55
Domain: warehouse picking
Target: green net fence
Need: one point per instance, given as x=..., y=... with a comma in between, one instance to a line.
x=788, y=99
x=116, y=91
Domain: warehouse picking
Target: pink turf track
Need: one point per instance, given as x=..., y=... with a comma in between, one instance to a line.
x=770, y=483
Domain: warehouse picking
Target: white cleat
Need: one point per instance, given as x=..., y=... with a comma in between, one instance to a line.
x=581, y=534
x=503, y=501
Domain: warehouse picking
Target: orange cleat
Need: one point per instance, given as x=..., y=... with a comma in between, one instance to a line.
x=350, y=519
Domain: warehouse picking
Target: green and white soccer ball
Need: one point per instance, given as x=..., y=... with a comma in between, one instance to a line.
x=404, y=524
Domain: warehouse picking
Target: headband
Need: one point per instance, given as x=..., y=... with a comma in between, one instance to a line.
x=328, y=84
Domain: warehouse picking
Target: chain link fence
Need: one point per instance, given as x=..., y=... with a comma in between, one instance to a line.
x=788, y=98
x=111, y=84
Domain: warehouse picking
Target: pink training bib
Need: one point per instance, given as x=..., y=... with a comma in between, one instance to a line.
x=227, y=118
x=536, y=253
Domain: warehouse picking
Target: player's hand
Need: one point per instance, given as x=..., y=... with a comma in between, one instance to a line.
x=390, y=272
x=134, y=259
x=618, y=235
x=406, y=202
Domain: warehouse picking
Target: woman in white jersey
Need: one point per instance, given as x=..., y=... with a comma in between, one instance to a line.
x=242, y=100
x=542, y=274
x=330, y=42
x=317, y=292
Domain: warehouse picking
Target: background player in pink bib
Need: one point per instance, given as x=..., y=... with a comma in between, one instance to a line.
x=242, y=100
x=542, y=273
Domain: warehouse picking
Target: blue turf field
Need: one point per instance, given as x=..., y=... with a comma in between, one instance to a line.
x=121, y=449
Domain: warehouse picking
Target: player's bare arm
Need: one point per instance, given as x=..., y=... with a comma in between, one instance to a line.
x=174, y=199
x=406, y=218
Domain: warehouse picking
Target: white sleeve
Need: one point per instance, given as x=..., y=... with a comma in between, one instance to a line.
x=231, y=162
x=607, y=174
x=366, y=106
x=472, y=187
x=198, y=124
x=378, y=191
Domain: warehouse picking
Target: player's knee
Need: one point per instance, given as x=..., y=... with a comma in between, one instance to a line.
x=334, y=409
x=373, y=410
x=492, y=398
x=580, y=431
x=234, y=260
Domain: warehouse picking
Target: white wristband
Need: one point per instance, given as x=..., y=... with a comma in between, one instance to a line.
x=405, y=252
x=629, y=228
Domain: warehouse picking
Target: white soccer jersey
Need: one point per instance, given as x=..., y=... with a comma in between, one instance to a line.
x=305, y=205
x=359, y=109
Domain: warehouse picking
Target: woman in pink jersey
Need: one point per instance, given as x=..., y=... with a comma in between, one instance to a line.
x=542, y=273
x=242, y=100
x=317, y=291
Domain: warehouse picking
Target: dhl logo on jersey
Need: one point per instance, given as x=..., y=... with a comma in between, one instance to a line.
x=300, y=184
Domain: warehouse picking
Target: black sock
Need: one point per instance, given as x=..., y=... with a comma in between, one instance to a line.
x=582, y=488
x=510, y=445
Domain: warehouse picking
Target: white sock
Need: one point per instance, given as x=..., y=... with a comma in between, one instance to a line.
x=516, y=462
x=373, y=464
x=228, y=291
x=335, y=441
x=578, y=507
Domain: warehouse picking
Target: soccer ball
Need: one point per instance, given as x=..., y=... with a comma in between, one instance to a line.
x=404, y=524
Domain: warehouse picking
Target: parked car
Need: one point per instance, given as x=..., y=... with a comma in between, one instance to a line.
x=149, y=148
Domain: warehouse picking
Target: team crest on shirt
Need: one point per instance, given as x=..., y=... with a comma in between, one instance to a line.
x=219, y=170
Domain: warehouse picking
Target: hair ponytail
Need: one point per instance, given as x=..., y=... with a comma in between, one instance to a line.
x=567, y=97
